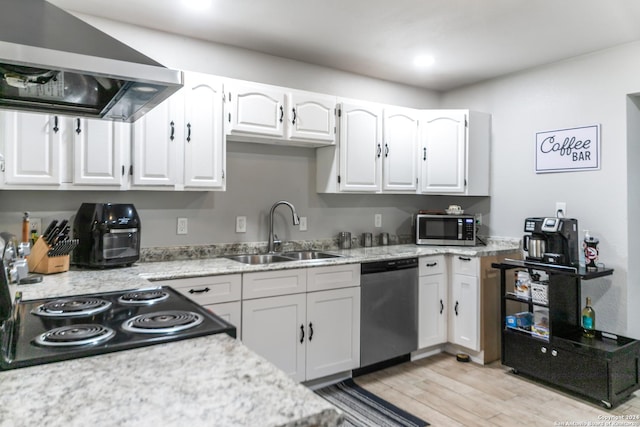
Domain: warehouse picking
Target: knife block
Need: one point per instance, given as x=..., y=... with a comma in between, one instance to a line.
x=40, y=262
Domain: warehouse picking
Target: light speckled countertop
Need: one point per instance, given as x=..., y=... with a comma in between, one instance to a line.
x=212, y=381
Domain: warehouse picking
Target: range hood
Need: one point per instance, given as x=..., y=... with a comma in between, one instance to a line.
x=53, y=62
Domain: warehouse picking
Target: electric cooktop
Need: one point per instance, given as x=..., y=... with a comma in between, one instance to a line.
x=56, y=329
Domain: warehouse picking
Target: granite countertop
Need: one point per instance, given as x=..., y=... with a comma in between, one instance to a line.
x=213, y=380
x=207, y=381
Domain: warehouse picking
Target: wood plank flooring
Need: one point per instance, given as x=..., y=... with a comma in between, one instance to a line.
x=448, y=393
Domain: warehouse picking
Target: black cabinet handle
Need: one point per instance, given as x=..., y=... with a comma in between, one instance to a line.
x=301, y=334
x=55, y=124
x=424, y=153
x=122, y=170
x=462, y=258
x=199, y=291
x=78, y=130
x=386, y=150
x=293, y=122
x=441, y=307
x=379, y=150
x=281, y=113
x=456, y=308
x=433, y=264
x=173, y=130
x=188, y=132
x=310, y=331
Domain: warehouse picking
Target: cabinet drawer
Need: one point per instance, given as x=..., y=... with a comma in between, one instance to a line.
x=209, y=289
x=273, y=283
x=333, y=277
x=431, y=265
x=463, y=264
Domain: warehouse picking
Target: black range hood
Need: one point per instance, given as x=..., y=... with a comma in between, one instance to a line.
x=53, y=62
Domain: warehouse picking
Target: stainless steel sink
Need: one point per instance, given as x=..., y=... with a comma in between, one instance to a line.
x=259, y=259
x=307, y=255
x=282, y=257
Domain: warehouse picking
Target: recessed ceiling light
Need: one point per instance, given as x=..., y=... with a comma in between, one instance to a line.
x=423, y=61
x=197, y=4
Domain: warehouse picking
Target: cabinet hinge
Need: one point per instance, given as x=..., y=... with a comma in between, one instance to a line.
x=229, y=96
x=416, y=180
x=465, y=182
x=466, y=123
x=338, y=179
x=222, y=173
x=1, y=165
x=335, y=131
x=131, y=170
x=229, y=117
x=339, y=112
x=123, y=170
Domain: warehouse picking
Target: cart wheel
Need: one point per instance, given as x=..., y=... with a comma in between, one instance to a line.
x=606, y=404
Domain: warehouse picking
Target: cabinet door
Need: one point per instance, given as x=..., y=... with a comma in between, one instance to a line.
x=204, y=145
x=432, y=310
x=400, y=150
x=312, y=117
x=255, y=110
x=465, y=309
x=333, y=332
x=32, y=144
x=360, y=148
x=275, y=328
x=443, y=152
x=98, y=151
x=229, y=311
x=158, y=144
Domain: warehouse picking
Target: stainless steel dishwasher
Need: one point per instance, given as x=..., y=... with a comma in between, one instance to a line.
x=389, y=310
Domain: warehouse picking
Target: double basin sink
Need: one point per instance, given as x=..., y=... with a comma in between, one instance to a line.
x=282, y=257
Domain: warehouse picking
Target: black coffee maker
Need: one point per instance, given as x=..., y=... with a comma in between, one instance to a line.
x=109, y=235
x=552, y=240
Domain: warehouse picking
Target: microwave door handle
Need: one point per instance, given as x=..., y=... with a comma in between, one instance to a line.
x=460, y=225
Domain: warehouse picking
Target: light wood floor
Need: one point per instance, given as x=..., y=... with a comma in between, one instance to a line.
x=448, y=393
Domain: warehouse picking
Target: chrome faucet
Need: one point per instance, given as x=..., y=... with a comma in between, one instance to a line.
x=272, y=237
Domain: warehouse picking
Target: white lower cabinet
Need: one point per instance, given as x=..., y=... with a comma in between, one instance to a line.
x=432, y=301
x=218, y=294
x=464, y=315
x=307, y=334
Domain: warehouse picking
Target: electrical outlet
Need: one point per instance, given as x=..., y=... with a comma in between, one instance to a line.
x=183, y=226
x=377, y=220
x=241, y=224
x=303, y=223
x=35, y=226
x=561, y=209
x=478, y=219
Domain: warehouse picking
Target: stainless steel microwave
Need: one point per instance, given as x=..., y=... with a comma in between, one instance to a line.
x=455, y=230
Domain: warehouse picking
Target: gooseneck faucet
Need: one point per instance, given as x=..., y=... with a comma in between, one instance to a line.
x=272, y=237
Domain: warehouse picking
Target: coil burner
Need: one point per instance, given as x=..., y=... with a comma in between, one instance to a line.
x=143, y=297
x=75, y=335
x=72, y=307
x=163, y=322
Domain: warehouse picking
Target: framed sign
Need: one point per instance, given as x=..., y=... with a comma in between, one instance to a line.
x=566, y=150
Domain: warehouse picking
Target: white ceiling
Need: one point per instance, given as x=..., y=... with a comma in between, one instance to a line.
x=471, y=40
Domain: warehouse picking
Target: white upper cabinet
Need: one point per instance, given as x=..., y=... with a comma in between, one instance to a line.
x=360, y=130
x=98, y=152
x=254, y=109
x=180, y=143
x=32, y=144
x=311, y=117
x=443, y=152
x=157, y=144
x=455, y=152
x=204, y=154
x=277, y=115
x=400, y=150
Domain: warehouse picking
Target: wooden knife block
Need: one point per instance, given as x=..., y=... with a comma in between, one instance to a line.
x=39, y=262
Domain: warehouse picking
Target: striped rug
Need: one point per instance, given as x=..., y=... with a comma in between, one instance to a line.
x=364, y=409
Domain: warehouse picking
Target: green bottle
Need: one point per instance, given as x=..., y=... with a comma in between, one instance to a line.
x=588, y=320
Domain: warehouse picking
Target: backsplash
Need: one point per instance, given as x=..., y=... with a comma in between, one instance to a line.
x=178, y=253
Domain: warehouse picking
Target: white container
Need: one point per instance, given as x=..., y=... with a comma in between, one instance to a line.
x=523, y=285
x=539, y=293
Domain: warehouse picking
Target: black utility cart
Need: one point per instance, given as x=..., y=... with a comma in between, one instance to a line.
x=605, y=368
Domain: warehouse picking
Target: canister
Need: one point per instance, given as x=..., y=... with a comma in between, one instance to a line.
x=367, y=239
x=384, y=239
x=344, y=240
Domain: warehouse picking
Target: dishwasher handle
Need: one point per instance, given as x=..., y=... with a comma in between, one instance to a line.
x=389, y=265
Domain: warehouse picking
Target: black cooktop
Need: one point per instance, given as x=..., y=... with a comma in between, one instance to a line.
x=56, y=329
